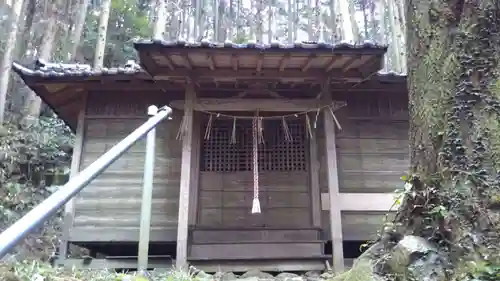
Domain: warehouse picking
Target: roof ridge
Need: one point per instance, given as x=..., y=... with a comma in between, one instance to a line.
x=48, y=69
x=228, y=44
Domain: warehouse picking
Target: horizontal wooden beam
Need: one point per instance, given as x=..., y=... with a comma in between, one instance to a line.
x=119, y=235
x=233, y=87
x=362, y=202
x=250, y=74
x=293, y=52
x=231, y=104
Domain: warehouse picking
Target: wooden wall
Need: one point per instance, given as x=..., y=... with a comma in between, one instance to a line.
x=226, y=178
x=372, y=155
x=109, y=208
x=226, y=200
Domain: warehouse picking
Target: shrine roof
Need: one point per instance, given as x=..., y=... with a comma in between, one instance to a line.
x=299, y=46
x=63, y=86
x=302, y=62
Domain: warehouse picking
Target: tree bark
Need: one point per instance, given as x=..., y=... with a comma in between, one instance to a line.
x=34, y=103
x=310, y=20
x=290, y=21
x=77, y=32
x=10, y=46
x=354, y=23
x=346, y=21
x=317, y=24
x=25, y=35
x=334, y=21
x=382, y=25
x=100, y=47
x=453, y=61
x=396, y=49
x=259, y=31
x=454, y=142
x=454, y=108
x=270, y=19
x=197, y=20
x=160, y=22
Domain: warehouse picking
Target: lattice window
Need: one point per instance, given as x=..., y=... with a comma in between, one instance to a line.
x=275, y=154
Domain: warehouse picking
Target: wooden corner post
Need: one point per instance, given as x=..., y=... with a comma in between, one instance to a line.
x=185, y=182
x=333, y=184
x=69, y=208
x=314, y=180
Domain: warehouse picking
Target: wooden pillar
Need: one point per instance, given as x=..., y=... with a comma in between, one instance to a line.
x=69, y=208
x=195, y=173
x=185, y=182
x=314, y=181
x=333, y=186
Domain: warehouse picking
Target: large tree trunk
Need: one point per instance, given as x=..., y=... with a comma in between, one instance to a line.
x=382, y=25
x=160, y=22
x=310, y=20
x=395, y=50
x=25, y=35
x=100, y=47
x=197, y=20
x=79, y=23
x=453, y=61
x=10, y=46
x=270, y=18
x=34, y=103
x=290, y=21
x=347, y=21
x=454, y=109
x=334, y=21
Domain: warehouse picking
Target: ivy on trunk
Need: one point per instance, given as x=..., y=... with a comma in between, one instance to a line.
x=454, y=90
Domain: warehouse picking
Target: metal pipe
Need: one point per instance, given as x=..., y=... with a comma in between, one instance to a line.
x=12, y=235
x=147, y=196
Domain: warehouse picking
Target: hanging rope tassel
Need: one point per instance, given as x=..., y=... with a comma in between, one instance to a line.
x=255, y=141
x=208, y=130
x=334, y=118
x=316, y=118
x=260, y=130
x=233, y=132
x=182, y=129
x=286, y=130
x=308, y=127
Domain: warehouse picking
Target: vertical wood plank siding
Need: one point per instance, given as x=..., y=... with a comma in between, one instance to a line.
x=110, y=206
x=372, y=155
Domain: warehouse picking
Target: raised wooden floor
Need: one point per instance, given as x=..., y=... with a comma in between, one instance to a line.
x=236, y=250
x=229, y=244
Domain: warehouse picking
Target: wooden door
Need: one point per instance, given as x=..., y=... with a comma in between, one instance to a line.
x=226, y=177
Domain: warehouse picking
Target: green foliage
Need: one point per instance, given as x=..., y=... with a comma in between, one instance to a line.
x=35, y=157
x=35, y=270
x=127, y=21
x=362, y=270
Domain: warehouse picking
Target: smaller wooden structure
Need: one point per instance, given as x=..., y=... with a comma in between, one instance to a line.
x=326, y=133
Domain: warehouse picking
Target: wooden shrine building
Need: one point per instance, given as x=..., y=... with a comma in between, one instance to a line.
x=326, y=132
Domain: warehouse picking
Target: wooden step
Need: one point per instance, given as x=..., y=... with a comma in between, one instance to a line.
x=259, y=234
x=260, y=242
x=252, y=250
x=284, y=258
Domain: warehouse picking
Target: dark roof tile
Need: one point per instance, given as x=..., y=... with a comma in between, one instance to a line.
x=297, y=46
x=45, y=69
